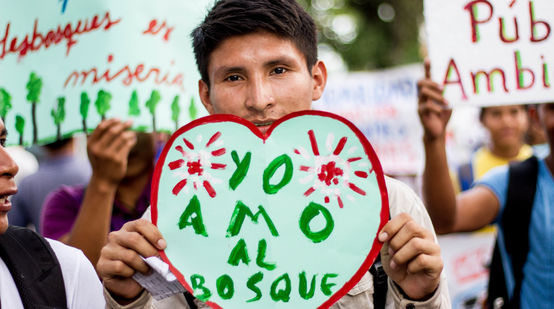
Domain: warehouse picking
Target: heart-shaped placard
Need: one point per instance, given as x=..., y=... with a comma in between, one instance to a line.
x=283, y=220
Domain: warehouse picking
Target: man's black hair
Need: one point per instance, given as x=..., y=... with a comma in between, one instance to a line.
x=229, y=18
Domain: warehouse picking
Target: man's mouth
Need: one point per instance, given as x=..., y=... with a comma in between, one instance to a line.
x=263, y=124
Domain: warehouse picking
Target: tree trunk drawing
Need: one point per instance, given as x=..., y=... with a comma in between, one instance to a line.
x=34, y=119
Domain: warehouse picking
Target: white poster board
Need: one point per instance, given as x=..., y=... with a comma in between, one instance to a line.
x=383, y=105
x=488, y=52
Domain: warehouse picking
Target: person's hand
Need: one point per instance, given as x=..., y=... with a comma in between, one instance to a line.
x=108, y=148
x=410, y=257
x=433, y=109
x=121, y=257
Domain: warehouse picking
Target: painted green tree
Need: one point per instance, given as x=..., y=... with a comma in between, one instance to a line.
x=175, y=111
x=20, y=127
x=134, y=109
x=102, y=103
x=34, y=86
x=5, y=104
x=58, y=114
x=83, y=109
x=151, y=104
x=193, y=112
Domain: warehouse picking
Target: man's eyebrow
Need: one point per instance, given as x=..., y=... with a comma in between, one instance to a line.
x=4, y=132
x=280, y=60
x=226, y=70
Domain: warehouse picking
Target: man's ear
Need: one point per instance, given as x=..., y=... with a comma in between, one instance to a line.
x=204, y=93
x=319, y=77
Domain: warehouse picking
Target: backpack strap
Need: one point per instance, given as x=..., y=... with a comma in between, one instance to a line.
x=34, y=268
x=513, y=235
x=380, y=285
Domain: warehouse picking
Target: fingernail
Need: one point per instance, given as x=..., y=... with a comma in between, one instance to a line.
x=383, y=237
x=392, y=265
x=161, y=244
x=391, y=252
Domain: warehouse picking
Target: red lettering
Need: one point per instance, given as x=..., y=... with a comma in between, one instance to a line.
x=126, y=74
x=471, y=7
x=452, y=66
x=502, y=31
x=520, y=73
x=534, y=23
x=37, y=40
x=489, y=80
x=154, y=29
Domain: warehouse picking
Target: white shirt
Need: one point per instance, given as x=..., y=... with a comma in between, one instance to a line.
x=82, y=286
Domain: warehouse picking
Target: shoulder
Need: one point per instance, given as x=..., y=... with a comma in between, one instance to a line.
x=69, y=257
x=80, y=279
x=496, y=180
x=403, y=199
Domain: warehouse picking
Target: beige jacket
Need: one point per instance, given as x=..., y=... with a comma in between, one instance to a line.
x=401, y=199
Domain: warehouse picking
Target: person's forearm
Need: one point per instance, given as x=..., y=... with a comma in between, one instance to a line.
x=438, y=191
x=91, y=228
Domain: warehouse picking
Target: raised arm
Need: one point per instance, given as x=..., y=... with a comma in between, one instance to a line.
x=108, y=148
x=469, y=210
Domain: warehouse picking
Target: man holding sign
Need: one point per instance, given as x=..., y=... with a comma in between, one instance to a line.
x=258, y=60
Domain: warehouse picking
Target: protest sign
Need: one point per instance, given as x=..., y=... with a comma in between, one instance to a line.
x=283, y=220
x=65, y=65
x=488, y=52
x=383, y=105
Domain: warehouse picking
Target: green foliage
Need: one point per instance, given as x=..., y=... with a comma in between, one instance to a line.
x=193, y=112
x=58, y=113
x=134, y=109
x=85, y=103
x=102, y=102
x=19, y=124
x=5, y=103
x=175, y=109
x=375, y=42
x=34, y=86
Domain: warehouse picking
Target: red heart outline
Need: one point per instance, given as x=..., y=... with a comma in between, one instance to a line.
x=384, y=216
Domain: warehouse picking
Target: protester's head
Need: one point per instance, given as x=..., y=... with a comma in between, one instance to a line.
x=535, y=134
x=140, y=160
x=506, y=125
x=230, y=18
x=60, y=146
x=258, y=60
x=545, y=117
x=8, y=169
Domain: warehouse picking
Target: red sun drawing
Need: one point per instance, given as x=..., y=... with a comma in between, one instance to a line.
x=194, y=169
x=332, y=174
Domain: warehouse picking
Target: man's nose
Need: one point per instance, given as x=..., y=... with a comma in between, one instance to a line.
x=8, y=167
x=260, y=94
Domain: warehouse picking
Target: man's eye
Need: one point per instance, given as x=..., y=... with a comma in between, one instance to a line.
x=279, y=70
x=233, y=78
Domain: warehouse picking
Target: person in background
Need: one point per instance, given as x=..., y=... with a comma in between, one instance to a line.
x=506, y=126
x=59, y=167
x=36, y=272
x=118, y=191
x=486, y=201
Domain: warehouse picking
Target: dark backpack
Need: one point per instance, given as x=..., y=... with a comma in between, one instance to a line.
x=34, y=269
x=514, y=226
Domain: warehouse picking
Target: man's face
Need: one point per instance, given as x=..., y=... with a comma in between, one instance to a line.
x=261, y=78
x=8, y=169
x=506, y=124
